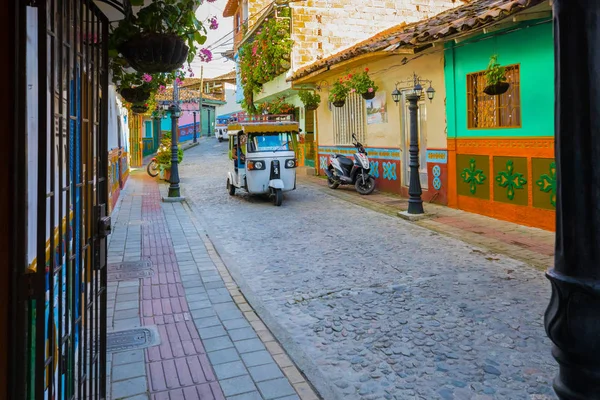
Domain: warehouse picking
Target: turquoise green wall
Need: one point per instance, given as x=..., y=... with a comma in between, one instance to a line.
x=533, y=49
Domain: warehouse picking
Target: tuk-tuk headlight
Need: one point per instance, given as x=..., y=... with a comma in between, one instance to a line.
x=291, y=163
x=255, y=164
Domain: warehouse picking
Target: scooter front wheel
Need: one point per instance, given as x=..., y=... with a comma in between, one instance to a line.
x=365, y=187
x=230, y=188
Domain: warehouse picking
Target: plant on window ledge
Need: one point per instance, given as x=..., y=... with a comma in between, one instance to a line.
x=495, y=76
x=363, y=84
x=276, y=107
x=264, y=58
x=160, y=37
x=311, y=100
x=339, y=92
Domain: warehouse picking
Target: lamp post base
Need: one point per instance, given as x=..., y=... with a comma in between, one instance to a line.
x=415, y=206
x=174, y=191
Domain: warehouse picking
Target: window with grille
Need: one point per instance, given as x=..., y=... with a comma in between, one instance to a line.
x=350, y=119
x=485, y=111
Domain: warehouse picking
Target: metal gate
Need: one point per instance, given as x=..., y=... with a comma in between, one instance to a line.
x=63, y=313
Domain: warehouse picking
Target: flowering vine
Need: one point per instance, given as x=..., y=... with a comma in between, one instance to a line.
x=265, y=57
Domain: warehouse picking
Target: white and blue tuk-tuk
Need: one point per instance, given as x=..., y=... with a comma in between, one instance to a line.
x=263, y=156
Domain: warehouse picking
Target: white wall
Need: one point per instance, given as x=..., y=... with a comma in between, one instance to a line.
x=230, y=98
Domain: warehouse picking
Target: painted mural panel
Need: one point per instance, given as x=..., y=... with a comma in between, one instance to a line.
x=437, y=173
x=510, y=181
x=544, y=175
x=473, y=173
x=377, y=109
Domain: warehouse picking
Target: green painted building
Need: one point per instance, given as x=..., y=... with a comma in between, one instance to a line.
x=501, y=147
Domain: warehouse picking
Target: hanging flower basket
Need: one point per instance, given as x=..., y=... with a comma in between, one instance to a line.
x=134, y=95
x=339, y=103
x=155, y=52
x=311, y=108
x=139, y=108
x=368, y=95
x=496, y=89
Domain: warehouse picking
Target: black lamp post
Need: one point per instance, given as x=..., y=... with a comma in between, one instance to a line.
x=195, y=130
x=175, y=113
x=415, y=203
x=572, y=319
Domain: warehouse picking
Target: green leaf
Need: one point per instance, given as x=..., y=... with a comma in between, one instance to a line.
x=200, y=39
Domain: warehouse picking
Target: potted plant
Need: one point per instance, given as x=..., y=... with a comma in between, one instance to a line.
x=338, y=93
x=311, y=100
x=495, y=76
x=363, y=84
x=139, y=108
x=160, y=37
x=164, y=155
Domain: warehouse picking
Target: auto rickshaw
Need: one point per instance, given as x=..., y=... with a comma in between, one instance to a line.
x=263, y=158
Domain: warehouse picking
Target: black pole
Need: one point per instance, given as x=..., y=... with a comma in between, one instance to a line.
x=174, y=186
x=415, y=203
x=195, y=130
x=572, y=319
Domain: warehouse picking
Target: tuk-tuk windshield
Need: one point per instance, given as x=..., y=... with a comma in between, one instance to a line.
x=258, y=142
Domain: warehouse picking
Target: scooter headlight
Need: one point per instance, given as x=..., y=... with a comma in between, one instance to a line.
x=290, y=163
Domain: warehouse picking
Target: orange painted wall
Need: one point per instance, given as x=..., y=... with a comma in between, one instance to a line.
x=528, y=148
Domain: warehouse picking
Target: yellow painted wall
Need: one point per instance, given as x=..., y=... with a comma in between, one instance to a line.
x=386, y=72
x=323, y=27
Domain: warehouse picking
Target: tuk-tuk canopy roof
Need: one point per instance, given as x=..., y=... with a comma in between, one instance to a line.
x=262, y=126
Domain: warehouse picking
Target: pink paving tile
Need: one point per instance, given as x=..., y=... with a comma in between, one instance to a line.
x=183, y=372
x=170, y=374
x=176, y=394
x=161, y=396
x=156, y=377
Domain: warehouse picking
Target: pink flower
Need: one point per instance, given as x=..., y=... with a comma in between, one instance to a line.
x=205, y=55
x=162, y=88
x=352, y=90
x=147, y=78
x=370, y=90
x=214, y=24
x=178, y=80
x=254, y=50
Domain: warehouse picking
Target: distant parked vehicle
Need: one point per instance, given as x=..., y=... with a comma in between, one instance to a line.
x=221, y=133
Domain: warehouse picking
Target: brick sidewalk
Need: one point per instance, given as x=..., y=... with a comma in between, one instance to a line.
x=530, y=245
x=211, y=344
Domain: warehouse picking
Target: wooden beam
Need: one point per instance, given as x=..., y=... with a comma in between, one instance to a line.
x=531, y=16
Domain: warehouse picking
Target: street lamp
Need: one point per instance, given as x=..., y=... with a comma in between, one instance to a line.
x=175, y=113
x=195, y=134
x=572, y=319
x=415, y=203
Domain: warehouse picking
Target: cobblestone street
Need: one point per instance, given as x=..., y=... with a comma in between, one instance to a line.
x=370, y=306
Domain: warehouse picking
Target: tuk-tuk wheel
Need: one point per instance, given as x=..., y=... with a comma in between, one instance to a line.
x=220, y=139
x=277, y=197
x=230, y=188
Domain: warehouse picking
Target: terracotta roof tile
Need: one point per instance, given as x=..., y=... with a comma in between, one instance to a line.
x=471, y=16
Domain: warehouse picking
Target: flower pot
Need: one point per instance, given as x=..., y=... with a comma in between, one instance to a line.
x=311, y=108
x=285, y=65
x=135, y=95
x=368, y=95
x=339, y=103
x=139, y=108
x=497, y=89
x=154, y=52
x=165, y=174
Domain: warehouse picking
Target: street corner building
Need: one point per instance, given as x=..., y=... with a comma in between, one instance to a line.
x=490, y=154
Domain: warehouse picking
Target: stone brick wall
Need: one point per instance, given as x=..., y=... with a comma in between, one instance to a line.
x=323, y=27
